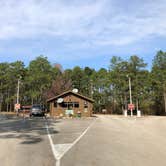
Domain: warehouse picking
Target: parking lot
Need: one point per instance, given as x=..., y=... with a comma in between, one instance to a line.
x=102, y=141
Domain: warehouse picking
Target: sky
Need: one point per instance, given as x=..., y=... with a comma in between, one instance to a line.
x=81, y=33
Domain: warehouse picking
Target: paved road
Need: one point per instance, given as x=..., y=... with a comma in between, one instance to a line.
x=119, y=141
x=110, y=141
x=24, y=143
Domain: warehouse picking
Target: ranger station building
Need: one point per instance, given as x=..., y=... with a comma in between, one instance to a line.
x=70, y=103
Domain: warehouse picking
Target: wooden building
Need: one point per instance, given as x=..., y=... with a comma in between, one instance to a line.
x=70, y=104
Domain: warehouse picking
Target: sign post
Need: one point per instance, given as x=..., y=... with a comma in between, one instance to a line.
x=17, y=106
x=131, y=108
x=131, y=105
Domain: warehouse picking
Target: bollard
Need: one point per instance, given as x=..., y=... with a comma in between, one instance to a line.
x=125, y=113
x=138, y=113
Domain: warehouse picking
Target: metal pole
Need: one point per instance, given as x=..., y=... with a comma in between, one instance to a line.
x=18, y=90
x=130, y=95
x=130, y=90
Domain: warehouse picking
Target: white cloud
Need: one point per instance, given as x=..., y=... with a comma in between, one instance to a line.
x=95, y=22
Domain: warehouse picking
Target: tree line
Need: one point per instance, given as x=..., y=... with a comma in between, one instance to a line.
x=109, y=88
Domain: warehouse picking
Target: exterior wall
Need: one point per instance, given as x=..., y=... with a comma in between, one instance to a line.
x=85, y=112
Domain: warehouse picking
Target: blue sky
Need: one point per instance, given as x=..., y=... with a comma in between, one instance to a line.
x=84, y=33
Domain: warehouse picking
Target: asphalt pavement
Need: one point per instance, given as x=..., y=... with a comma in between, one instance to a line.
x=24, y=143
x=120, y=141
x=103, y=141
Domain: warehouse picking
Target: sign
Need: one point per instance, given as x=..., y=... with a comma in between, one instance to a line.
x=69, y=112
x=17, y=106
x=131, y=106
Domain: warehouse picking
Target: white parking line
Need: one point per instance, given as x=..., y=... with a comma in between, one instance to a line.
x=51, y=143
x=59, y=150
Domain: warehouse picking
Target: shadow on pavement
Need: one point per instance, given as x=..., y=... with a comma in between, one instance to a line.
x=28, y=131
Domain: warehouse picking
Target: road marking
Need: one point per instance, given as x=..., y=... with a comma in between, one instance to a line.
x=51, y=143
x=59, y=150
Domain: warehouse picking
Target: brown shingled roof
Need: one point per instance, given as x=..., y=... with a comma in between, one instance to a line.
x=64, y=93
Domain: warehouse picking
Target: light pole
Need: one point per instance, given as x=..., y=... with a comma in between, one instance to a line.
x=130, y=94
x=130, y=90
x=18, y=90
x=17, y=105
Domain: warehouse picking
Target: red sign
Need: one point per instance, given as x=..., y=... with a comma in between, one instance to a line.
x=17, y=106
x=131, y=106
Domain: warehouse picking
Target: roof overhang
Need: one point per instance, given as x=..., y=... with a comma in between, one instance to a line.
x=70, y=92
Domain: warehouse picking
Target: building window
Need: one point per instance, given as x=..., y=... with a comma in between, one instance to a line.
x=85, y=104
x=76, y=105
x=69, y=105
x=64, y=105
x=55, y=104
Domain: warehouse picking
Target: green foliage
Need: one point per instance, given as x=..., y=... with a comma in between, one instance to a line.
x=109, y=88
x=158, y=75
x=39, y=78
x=9, y=74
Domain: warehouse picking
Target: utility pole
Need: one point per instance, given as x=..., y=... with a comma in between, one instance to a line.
x=17, y=105
x=18, y=90
x=130, y=95
x=130, y=90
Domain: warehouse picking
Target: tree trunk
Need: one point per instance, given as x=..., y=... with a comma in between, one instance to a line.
x=1, y=100
x=165, y=100
x=125, y=98
x=7, y=107
x=32, y=101
x=11, y=106
x=7, y=104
